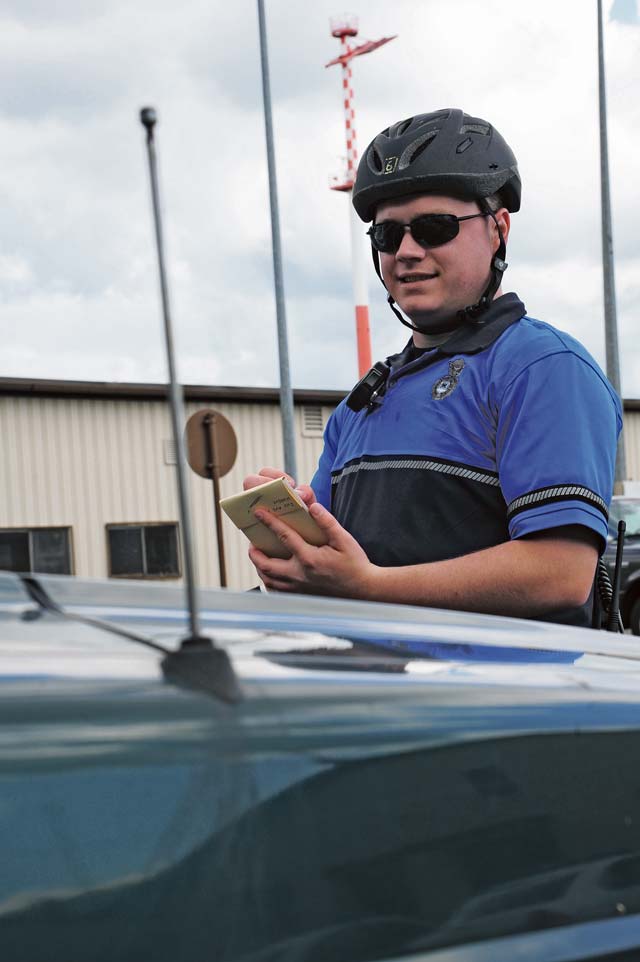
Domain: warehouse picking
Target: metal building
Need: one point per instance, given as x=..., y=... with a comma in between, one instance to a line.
x=87, y=476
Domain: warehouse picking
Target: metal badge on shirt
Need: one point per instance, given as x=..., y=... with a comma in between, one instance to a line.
x=445, y=385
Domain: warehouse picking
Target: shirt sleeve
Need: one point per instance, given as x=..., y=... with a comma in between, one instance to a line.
x=321, y=481
x=558, y=426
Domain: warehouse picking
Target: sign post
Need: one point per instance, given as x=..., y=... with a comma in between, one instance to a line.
x=212, y=448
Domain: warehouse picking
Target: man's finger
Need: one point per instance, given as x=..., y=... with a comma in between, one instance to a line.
x=252, y=481
x=307, y=494
x=291, y=540
x=272, y=569
x=264, y=475
x=265, y=564
x=277, y=584
x=272, y=473
x=328, y=524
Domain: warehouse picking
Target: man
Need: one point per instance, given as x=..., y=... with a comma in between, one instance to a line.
x=477, y=475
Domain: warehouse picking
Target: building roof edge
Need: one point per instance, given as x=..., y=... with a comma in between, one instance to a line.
x=46, y=387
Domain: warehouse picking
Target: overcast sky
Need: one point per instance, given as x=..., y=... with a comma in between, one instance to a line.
x=78, y=278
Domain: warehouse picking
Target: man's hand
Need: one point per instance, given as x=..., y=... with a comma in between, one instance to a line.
x=270, y=474
x=528, y=577
x=338, y=568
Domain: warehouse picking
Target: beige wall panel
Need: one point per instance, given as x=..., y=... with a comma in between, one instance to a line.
x=632, y=444
x=8, y=473
x=87, y=463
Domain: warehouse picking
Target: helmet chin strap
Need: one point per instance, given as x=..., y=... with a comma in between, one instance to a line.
x=473, y=312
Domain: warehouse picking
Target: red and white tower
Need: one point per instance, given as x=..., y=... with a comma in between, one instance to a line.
x=344, y=28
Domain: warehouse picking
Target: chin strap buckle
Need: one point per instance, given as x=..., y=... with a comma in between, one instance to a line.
x=474, y=311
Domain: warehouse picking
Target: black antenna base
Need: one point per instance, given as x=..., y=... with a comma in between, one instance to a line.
x=199, y=666
x=196, y=641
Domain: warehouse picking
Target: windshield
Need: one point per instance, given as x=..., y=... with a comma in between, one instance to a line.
x=628, y=510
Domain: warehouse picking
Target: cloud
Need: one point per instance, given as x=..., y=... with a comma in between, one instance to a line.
x=43, y=13
x=80, y=289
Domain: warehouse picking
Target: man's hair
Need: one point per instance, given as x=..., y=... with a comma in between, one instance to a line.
x=494, y=201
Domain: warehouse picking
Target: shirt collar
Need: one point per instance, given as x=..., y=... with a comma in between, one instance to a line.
x=473, y=336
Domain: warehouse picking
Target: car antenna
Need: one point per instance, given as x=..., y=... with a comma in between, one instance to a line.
x=613, y=623
x=210, y=667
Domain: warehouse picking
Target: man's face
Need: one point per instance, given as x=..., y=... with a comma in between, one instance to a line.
x=431, y=285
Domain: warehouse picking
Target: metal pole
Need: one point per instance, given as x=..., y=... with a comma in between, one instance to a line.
x=286, y=393
x=148, y=119
x=610, y=319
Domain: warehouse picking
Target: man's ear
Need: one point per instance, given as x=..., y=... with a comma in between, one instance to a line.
x=503, y=218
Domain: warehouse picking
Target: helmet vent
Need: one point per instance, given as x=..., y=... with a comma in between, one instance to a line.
x=374, y=160
x=484, y=129
x=400, y=128
x=433, y=118
x=413, y=151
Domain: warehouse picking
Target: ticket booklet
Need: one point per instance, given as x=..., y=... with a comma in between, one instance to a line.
x=281, y=499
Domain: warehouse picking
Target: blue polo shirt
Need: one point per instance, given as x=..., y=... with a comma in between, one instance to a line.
x=508, y=428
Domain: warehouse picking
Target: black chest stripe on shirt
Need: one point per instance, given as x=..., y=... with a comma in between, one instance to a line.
x=411, y=462
x=566, y=492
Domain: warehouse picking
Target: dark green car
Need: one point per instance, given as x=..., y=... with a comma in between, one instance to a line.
x=391, y=783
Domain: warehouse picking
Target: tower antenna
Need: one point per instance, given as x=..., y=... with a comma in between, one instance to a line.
x=344, y=29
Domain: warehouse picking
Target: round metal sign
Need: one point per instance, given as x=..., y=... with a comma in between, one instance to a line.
x=211, y=443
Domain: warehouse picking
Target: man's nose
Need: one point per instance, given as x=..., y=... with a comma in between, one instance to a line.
x=409, y=248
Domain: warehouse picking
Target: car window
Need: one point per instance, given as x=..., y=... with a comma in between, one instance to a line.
x=628, y=510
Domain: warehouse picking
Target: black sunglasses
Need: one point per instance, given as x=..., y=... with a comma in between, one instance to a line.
x=428, y=230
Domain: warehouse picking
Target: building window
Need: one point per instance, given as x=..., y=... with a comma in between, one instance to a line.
x=143, y=550
x=45, y=550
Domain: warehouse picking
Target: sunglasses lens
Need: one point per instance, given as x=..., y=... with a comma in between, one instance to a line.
x=429, y=230
x=387, y=237
x=432, y=230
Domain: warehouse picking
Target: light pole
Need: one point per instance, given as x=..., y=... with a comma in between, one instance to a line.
x=286, y=392
x=610, y=317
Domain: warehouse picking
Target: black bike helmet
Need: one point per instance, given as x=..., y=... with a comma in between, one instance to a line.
x=445, y=152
